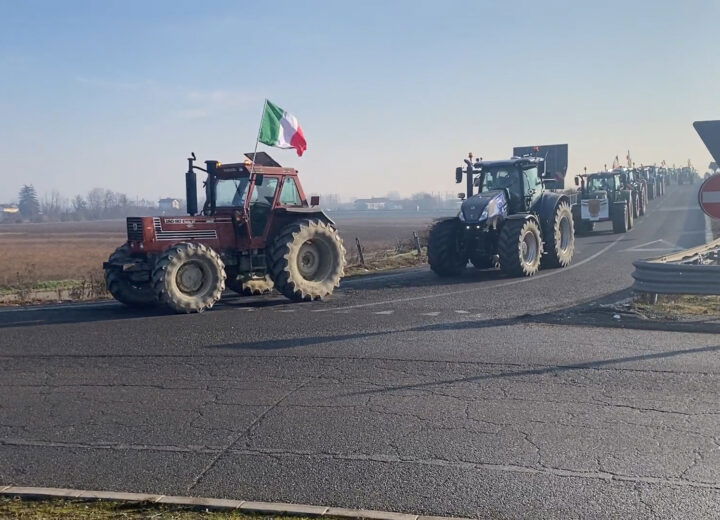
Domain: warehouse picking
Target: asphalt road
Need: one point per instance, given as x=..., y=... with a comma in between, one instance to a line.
x=404, y=393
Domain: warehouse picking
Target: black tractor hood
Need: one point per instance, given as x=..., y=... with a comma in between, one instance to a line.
x=495, y=202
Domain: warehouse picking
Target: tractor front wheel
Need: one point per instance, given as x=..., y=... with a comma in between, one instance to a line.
x=122, y=288
x=520, y=247
x=189, y=277
x=444, y=253
x=307, y=260
x=620, y=217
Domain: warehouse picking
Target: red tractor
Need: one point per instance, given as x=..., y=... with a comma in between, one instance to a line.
x=256, y=231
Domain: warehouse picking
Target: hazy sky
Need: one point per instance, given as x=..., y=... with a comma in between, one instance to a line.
x=391, y=94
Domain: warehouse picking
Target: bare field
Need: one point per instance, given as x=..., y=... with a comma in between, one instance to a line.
x=76, y=250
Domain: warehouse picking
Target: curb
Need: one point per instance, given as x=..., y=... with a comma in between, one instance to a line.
x=244, y=506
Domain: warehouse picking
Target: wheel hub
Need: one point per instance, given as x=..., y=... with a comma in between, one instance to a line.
x=308, y=260
x=190, y=278
x=528, y=248
x=564, y=234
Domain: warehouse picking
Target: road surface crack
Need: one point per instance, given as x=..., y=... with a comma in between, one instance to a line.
x=245, y=433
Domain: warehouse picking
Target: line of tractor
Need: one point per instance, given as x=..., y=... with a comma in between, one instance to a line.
x=516, y=218
x=258, y=231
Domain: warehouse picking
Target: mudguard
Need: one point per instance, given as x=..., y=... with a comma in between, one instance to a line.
x=308, y=212
x=545, y=209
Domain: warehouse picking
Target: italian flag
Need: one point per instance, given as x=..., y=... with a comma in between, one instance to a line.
x=281, y=129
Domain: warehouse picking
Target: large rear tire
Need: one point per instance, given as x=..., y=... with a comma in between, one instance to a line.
x=250, y=286
x=189, y=277
x=620, y=217
x=520, y=247
x=643, y=203
x=307, y=260
x=560, y=240
x=122, y=288
x=444, y=253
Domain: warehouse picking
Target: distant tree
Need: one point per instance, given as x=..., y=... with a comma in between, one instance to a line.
x=95, y=199
x=28, y=201
x=79, y=204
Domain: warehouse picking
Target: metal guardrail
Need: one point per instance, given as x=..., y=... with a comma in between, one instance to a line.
x=691, y=271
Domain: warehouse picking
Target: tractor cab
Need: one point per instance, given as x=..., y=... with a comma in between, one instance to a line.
x=516, y=181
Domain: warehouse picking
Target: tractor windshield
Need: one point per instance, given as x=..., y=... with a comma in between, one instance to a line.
x=231, y=192
x=604, y=183
x=502, y=178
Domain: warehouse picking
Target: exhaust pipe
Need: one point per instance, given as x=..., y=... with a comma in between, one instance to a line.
x=191, y=188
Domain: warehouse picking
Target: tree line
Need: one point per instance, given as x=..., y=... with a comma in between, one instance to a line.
x=98, y=203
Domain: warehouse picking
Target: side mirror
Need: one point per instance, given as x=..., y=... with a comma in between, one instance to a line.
x=458, y=175
x=461, y=196
x=259, y=178
x=577, y=181
x=315, y=200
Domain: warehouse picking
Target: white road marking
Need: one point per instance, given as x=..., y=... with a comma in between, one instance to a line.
x=482, y=287
x=430, y=314
x=384, y=312
x=287, y=310
x=640, y=247
x=462, y=312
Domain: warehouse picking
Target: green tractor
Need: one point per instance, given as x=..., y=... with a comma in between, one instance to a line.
x=603, y=198
x=507, y=218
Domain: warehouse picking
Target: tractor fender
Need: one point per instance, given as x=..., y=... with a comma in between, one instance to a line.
x=522, y=216
x=308, y=213
x=546, y=207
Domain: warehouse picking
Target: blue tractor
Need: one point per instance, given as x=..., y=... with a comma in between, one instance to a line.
x=508, y=218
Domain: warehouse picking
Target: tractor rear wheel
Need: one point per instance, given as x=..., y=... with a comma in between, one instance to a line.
x=636, y=205
x=643, y=203
x=444, y=254
x=560, y=240
x=651, y=191
x=189, y=277
x=307, y=260
x=520, y=247
x=620, y=217
x=124, y=290
x=250, y=286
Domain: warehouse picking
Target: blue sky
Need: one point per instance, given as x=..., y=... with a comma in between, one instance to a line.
x=391, y=94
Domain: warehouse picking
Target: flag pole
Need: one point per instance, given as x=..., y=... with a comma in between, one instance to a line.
x=257, y=140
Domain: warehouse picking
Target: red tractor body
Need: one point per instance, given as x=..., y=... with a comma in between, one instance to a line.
x=248, y=212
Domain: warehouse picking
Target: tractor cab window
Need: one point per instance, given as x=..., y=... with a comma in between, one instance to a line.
x=290, y=196
x=231, y=192
x=261, y=202
x=504, y=178
x=531, y=181
x=601, y=183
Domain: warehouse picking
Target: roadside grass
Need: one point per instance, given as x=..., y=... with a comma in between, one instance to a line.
x=384, y=261
x=20, y=509
x=672, y=306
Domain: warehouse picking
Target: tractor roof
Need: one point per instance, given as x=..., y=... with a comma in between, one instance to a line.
x=233, y=170
x=599, y=174
x=513, y=161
